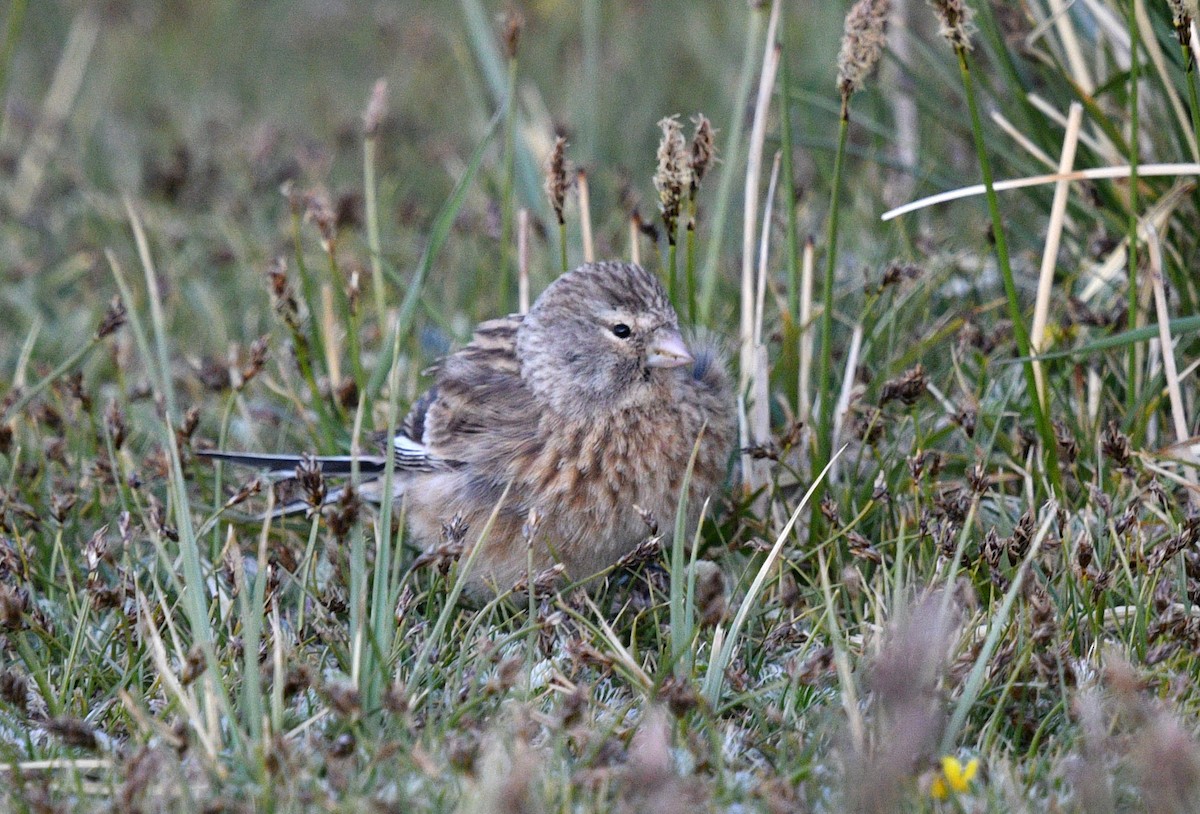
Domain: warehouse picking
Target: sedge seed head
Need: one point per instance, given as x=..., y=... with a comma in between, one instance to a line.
x=704, y=151
x=376, y=109
x=863, y=41
x=674, y=173
x=514, y=21
x=556, y=178
x=956, y=22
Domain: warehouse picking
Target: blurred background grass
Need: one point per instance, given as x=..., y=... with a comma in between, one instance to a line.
x=200, y=110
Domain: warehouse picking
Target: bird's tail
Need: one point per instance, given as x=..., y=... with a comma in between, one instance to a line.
x=284, y=466
x=279, y=467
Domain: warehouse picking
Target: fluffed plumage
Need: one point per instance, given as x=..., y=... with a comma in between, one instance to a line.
x=587, y=409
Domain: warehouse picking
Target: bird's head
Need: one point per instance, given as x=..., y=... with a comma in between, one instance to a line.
x=602, y=337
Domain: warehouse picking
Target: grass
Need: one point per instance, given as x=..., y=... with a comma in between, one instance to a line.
x=982, y=574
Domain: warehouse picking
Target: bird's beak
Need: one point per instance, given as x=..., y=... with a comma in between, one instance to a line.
x=668, y=350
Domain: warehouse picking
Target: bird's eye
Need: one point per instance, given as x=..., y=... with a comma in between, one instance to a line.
x=621, y=331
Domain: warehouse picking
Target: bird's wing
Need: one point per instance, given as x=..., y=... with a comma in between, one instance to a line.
x=408, y=445
x=480, y=412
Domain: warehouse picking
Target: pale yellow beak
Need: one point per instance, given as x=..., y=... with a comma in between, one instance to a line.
x=667, y=350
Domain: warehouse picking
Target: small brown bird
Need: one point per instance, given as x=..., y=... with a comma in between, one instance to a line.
x=586, y=409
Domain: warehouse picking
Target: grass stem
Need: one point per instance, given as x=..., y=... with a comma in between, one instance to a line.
x=1020, y=334
x=507, y=195
x=1131, y=223
x=824, y=443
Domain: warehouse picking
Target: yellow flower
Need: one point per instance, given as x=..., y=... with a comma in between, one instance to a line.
x=955, y=777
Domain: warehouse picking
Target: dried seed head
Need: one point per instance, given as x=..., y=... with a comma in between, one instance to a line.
x=507, y=673
x=281, y=293
x=318, y=210
x=514, y=21
x=74, y=385
x=530, y=527
x=449, y=549
x=295, y=200
x=830, y=511
x=395, y=698
x=277, y=275
x=1182, y=14
x=1114, y=445
x=14, y=604
x=674, y=174
x=897, y=273
x=345, y=698
x=679, y=695
x=646, y=551
x=816, y=665
x=967, y=417
x=345, y=512
x=991, y=549
x=545, y=582
x=704, y=150
x=312, y=482
x=456, y=530
x=906, y=388
x=257, y=360
x=187, y=427
x=861, y=548
x=1022, y=536
x=463, y=751
x=403, y=604
x=648, y=519
x=556, y=178
x=193, y=666
x=1166, y=550
x=711, y=600
x=55, y=449
x=644, y=227
x=977, y=478
x=47, y=414
x=347, y=394
x=573, y=707
x=863, y=41
x=956, y=25
x=114, y=422
x=74, y=732
x=927, y=461
x=376, y=109
x=61, y=504
x=1068, y=447
x=244, y=493
x=114, y=318
x=14, y=688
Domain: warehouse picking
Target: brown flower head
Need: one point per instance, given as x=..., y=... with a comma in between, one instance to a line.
x=556, y=178
x=114, y=318
x=674, y=173
x=318, y=210
x=1182, y=14
x=704, y=150
x=514, y=21
x=863, y=41
x=955, y=17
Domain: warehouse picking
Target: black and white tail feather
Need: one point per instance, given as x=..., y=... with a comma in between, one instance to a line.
x=278, y=467
x=410, y=456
